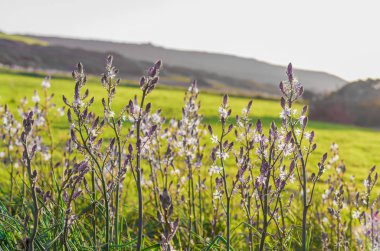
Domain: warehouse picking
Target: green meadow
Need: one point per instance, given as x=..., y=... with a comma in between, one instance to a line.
x=359, y=147
x=23, y=39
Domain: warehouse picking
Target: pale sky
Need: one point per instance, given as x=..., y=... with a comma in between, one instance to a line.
x=341, y=37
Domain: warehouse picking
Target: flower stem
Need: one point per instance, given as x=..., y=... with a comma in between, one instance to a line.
x=138, y=181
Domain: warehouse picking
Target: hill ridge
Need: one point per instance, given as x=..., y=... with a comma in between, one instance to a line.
x=234, y=66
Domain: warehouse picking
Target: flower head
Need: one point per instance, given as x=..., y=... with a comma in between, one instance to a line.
x=35, y=97
x=46, y=83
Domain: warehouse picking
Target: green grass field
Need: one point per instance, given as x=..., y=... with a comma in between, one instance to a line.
x=23, y=39
x=359, y=147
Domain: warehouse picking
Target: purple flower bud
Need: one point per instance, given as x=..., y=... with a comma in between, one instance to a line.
x=73, y=137
x=76, y=93
x=99, y=144
x=142, y=81
x=34, y=174
x=39, y=190
x=165, y=199
x=76, y=194
x=154, y=81
x=131, y=107
x=210, y=129
x=104, y=103
x=85, y=113
x=304, y=110
x=158, y=64
x=304, y=122
x=130, y=148
x=46, y=196
x=65, y=100
x=311, y=138
x=292, y=165
x=65, y=197
x=213, y=155
x=175, y=226
x=80, y=67
x=86, y=93
x=34, y=148
x=230, y=146
x=314, y=147
x=249, y=105
x=281, y=86
x=324, y=158
x=101, y=124
x=152, y=71
x=152, y=130
x=160, y=218
x=147, y=108
x=230, y=128
x=288, y=137
x=283, y=102
x=289, y=72
x=300, y=91
x=225, y=99
x=109, y=60
x=273, y=127
x=30, y=115
x=95, y=123
x=23, y=137
x=259, y=127
x=91, y=101
x=225, y=144
x=372, y=169
x=219, y=181
x=112, y=142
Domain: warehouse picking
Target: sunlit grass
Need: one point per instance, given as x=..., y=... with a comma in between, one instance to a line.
x=359, y=147
x=23, y=39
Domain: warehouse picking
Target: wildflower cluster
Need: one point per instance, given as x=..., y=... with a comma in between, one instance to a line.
x=129, y=179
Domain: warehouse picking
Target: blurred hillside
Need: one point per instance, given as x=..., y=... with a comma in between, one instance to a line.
x=243, y=69
x=356, y=103
x=37, y=54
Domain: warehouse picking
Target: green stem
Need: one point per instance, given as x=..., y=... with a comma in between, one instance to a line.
x=104, y=188
x=138, y=181
x=116, y=225
x=93, y=188
x=34, y=198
